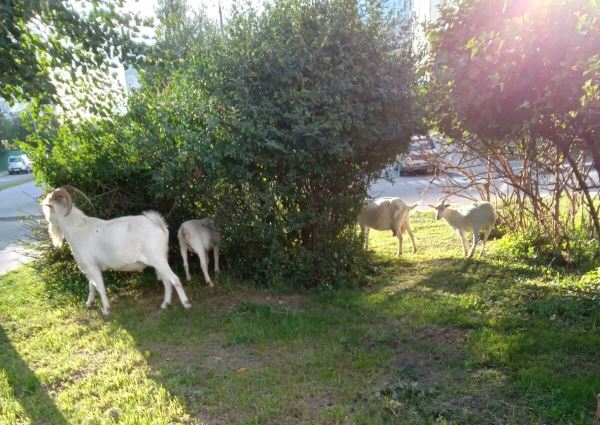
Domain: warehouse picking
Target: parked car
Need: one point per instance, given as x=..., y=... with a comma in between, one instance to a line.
x=19, y=164
x=417, y=160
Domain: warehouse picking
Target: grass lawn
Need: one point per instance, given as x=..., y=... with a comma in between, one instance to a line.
x=433, y=339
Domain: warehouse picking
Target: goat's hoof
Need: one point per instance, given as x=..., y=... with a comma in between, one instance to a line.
x=187, y=305
x=106, y=313
x=165, y=306
x=188, y=278
x=210, y=284
x=89, y=305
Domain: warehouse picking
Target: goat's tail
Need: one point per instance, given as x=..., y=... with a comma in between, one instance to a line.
x=415, y=205
x=157, y=219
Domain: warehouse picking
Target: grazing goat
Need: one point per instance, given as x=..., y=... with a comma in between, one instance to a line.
x=387, y=214
x=126, y=243
x=480, y=216
x=199, y=236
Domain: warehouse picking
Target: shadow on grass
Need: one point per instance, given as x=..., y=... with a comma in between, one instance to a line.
x=486, y=343
x=214, y=358
x=531, y=348
x=26, y=387
x=549, y=348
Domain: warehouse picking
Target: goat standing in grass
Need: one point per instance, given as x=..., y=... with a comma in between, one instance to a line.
x=126, y=244
x=480, y=216
x=199, y=236
x=387, y=214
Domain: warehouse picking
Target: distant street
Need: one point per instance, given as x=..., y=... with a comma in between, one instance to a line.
x=15, y=203
x=428, y=189
x=413, y=189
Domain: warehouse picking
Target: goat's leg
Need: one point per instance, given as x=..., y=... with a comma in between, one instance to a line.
x=461, y=236
x=485, y=238
x=475, y=241
x=171, y=278
x=168, y=291
x=204, y=265
x=91, y=296
x=399, y=252
x=412, y=238
x=95, y=277
x=216, y=257
x=184, y=254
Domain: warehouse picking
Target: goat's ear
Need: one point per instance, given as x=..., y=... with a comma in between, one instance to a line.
x=432, y=206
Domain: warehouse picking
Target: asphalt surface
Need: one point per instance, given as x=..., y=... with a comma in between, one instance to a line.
x=411, y=189
x=8, y=178
x=16, y=204
x=428, y=190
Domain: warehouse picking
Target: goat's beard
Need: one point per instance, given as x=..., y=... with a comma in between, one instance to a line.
x=56, y=235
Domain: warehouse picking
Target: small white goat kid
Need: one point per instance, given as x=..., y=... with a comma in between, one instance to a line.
x=126, y=243
x=199, y=236
x=480, y=216
x=387, y=214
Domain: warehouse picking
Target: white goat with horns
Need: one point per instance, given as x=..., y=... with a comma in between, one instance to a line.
x=128, y=243
x=477, y=217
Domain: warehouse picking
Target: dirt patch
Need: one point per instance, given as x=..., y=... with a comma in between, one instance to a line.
x=425, y=355
x=292, y=302
x=427, y=378
x=216, y=355
x=212, y=355
x=209, y=353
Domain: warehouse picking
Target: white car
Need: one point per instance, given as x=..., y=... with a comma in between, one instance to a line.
x=19, y=164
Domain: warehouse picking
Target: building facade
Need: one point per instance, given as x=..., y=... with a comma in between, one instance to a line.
x=11, y=111
x=426, y=10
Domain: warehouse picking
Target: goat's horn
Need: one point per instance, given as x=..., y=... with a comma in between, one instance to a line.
x=63, y=193
x=73, y=189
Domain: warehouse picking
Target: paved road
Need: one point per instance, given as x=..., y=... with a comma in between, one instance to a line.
x=414, y=189
x=15, y=203
x=20, y=200
x=8, y=178
x=423, y=187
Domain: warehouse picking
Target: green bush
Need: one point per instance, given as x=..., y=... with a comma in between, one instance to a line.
x=276, y=127
x=578, y=251
x=590, y=280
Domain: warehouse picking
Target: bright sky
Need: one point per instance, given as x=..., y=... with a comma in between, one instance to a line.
x=146, y=7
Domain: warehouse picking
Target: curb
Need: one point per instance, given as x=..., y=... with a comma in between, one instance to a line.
x=21, y=217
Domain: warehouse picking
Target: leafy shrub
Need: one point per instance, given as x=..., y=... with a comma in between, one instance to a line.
x=590, y=280
x=578, y=251
x=276, y=127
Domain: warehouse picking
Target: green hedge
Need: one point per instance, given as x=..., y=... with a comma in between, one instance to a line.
x=275, y=127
